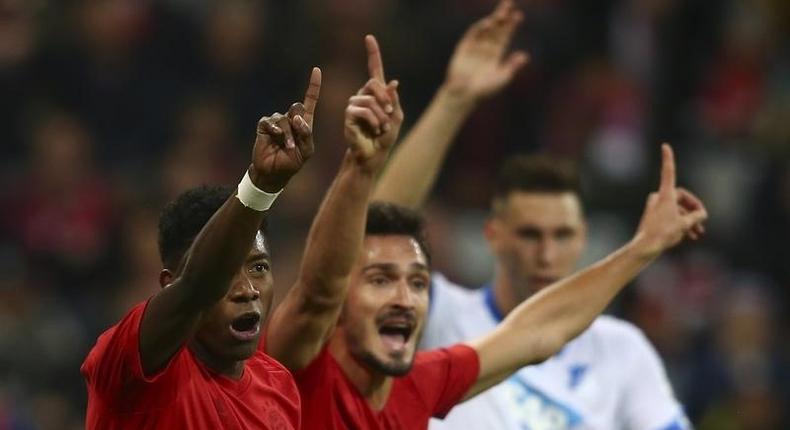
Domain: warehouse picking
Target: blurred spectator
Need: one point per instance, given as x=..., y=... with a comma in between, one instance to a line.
x=19, y=37
x=744, y=372
x=60, y=210
x=202, y=150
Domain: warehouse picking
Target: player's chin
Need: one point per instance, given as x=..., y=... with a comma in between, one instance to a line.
x=397, y=367
x=398, y=363
x=243, y=350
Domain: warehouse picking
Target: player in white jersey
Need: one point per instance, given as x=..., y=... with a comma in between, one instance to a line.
x=609, y=377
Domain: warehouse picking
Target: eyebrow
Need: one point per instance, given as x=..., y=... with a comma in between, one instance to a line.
x=257, y=256
x=393, y=267
x=420, y=266
x=380, y=266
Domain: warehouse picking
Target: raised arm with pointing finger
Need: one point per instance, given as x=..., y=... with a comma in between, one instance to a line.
x=189, y=356
x=537, y=328
x=283, y=144
x=478, y=68
x=305, y=318
x=370, y=375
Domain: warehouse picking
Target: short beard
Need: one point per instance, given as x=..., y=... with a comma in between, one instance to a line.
x=353, y=340
x=370, y=361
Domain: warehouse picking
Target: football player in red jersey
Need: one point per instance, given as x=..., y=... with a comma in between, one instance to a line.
x=189, y=356
x=363, y=371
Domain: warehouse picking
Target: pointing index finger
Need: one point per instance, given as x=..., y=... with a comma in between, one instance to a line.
x=311, y=96
x=375, y=65
x=667, y=169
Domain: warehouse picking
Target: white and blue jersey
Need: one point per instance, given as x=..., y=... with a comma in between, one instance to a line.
x=608, y=378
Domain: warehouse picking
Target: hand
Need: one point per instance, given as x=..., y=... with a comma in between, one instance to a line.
x=285, y=142
x=671, y=213
x=374, y=115
x=476, y=68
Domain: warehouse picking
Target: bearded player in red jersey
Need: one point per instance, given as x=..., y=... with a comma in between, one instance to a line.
x=363, y=371
x=189, y=357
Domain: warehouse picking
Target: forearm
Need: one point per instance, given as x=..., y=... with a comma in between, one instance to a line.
x=538, y=328
x=336, y=235
x=301, y=322
x=412, y=171
x=559, y=313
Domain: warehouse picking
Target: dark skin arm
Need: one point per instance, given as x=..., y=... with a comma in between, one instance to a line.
x=303, y=321
x=282, y=145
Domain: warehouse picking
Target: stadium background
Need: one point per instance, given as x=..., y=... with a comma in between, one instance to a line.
x=109, y=108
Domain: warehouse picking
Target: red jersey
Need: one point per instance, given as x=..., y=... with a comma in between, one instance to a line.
x=438, y=381
x=185, y=394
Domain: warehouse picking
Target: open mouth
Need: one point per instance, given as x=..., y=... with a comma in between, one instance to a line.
x=246, y=326
x=396, y=334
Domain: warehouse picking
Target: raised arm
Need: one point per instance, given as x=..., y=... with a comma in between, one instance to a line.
x=477, y=70
x=305, y=318
x=540, y=326
x=282, y=145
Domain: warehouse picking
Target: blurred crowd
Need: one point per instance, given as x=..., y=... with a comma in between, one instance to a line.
x=110, y=108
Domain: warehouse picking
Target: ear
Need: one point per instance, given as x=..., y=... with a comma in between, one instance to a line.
x=491, y=233
x=166, y=278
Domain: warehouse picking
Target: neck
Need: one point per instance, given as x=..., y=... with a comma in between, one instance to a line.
x=233, y=369
x=505, y=295
x=374, y=386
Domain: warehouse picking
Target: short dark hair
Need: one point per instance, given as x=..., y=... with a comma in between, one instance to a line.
x=386, y=219
x=536, y=174
x=182, y=219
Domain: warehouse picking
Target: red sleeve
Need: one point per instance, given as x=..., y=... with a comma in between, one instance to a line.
x=443, y=376
x=113, y=365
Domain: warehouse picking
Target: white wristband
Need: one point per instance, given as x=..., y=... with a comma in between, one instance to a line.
x=253, y=197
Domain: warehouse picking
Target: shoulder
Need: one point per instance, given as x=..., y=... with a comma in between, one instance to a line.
x=441, y=284
x=455, y=313
x=113, y=370
x=443, y=376
x=458, y=354
x=616, y=330
x=116, y=340
x=624, y=339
